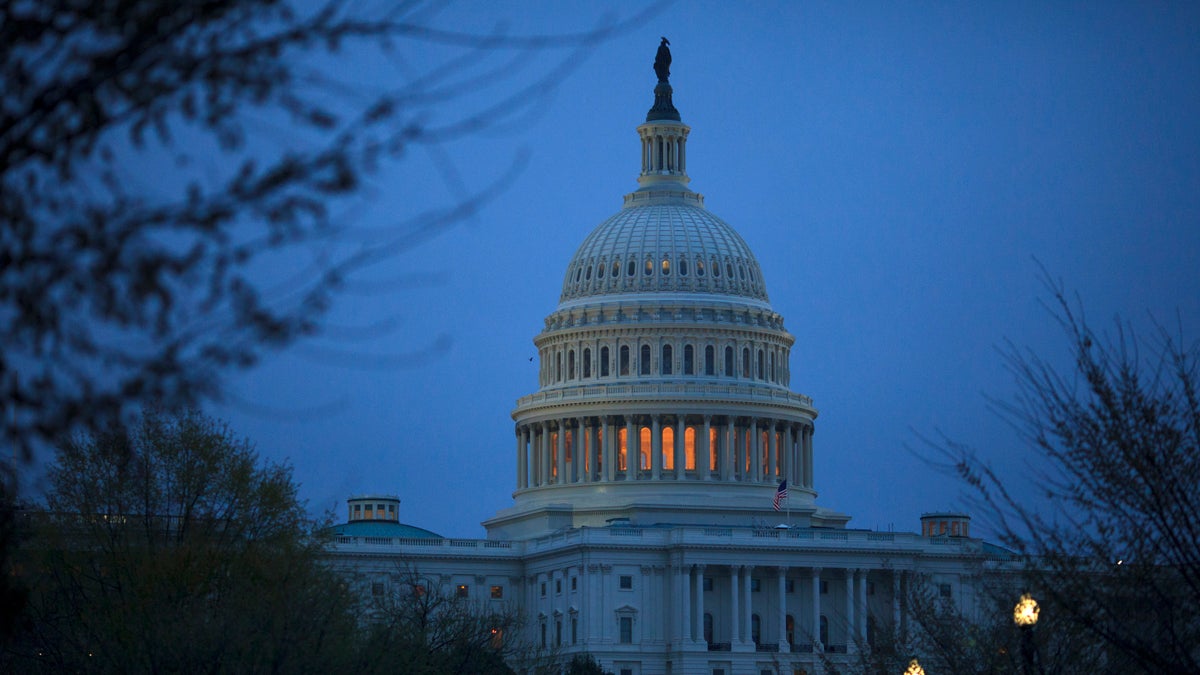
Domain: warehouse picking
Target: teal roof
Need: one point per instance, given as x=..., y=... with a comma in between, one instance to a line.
x=383, y=528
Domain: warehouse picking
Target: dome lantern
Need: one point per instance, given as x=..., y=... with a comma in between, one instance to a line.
x=663, y=135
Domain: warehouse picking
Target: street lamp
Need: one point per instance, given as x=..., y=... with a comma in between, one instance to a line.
x=914, y=668
x=1025, y=615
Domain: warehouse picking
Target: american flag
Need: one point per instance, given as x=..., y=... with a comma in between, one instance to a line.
x=780, y=494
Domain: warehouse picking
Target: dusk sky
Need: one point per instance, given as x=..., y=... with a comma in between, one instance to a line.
x=899, y=169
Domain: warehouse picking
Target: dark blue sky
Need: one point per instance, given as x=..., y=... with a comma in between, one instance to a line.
x=896, y=167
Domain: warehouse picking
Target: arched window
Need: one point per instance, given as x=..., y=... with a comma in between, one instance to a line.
x=649, y=269
x=682, y=267
x=699, y=268
x=772, y=361
x=600, y=270
x=755, y=628
x=710, y=365
x=616, y=269
x=761, y=371
x=604, y=362
x=558, y=366
x=746, y=362
x=666, y=267
x=631, y=268
x=571, y=364
x=716, y=268
x=729, y=362
x=824, y=633
x=624, y=360
x=644, y=362
x=644, y=449
x=587, y=362
x=668, y=448
x=689, y=358
x=712, y=449
x=689, y=449
x=622, y=449
x=667, y=359
x=708, y=627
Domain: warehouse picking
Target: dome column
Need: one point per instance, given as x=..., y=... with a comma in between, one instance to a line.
x=681, y=447
x=773, y=471
x=630, y=447
x=560, y=453
x=656, y=447
x=755, y=447
x=706, y=472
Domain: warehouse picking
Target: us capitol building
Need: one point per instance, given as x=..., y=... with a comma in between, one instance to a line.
x=642, y=524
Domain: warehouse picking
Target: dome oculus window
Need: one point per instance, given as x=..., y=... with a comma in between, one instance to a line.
x=729, y=270
x=649, y=268
x=742, y=272
x=600, y=271
x=683, y=268
x=716, y=267
x=616, y=269
x=666, y=266
x=699, y=268
x=588, y=276
x=631, y=269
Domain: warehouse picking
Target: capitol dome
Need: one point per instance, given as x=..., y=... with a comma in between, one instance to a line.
x=664, y=374
x=663, y=243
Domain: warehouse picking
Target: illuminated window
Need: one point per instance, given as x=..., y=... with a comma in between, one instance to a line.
x=604, y=362
x=689, y=449
x=624, y=360
x=699, y=268
x=497, y=638
x=649, y=267
x=729, y=362
x=644, y=449
x=668, y=448
x=587, y=363
x=667, y=359
x=689, y=360
x=554, y=454
x=712, y=449
x=666, y=266
x=462, y=591
x=622, y=448
x=497, y=592
x=716, y=268
x=644, y=363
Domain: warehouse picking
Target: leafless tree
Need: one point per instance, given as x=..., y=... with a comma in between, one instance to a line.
x=159, y=159
x=1113, y=542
